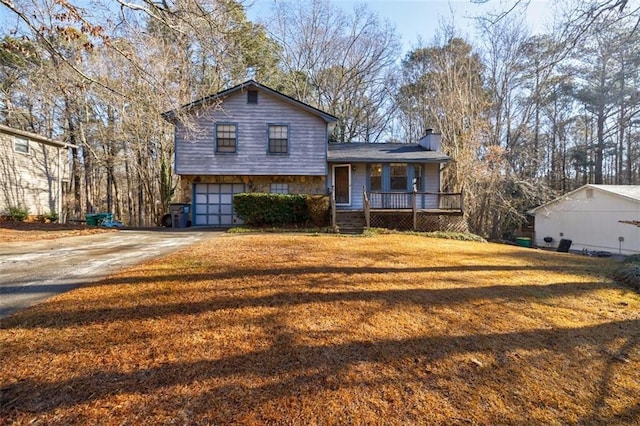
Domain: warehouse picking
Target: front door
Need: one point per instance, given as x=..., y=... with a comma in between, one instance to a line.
x=342, y=184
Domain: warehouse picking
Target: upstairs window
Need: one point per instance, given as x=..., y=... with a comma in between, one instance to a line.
x=226, y=137
x=278, y=139
x=375, y=182
x=398, y=177
x=21, y=145
x=252, y=97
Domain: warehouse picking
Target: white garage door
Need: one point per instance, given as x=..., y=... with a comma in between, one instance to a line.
x=214, y=203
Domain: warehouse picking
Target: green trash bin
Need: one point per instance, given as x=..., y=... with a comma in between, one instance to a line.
x=103, y=217
x=91, y=219
x=523, y=241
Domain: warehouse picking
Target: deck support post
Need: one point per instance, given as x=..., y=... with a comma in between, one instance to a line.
x=332, y=199
x=414, y=209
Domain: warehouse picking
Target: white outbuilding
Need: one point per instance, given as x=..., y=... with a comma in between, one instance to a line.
x=593, y=217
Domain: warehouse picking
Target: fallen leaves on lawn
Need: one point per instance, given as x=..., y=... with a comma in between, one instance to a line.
x=293, y=329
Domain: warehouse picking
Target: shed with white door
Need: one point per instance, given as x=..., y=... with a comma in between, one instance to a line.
x=593, y=217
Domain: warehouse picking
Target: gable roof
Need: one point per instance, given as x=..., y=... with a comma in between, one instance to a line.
x=171, y=115
x=383, y=153
x=34, y=137
x=629, y=192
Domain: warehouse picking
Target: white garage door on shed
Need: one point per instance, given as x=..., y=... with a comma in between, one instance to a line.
x=213, y=204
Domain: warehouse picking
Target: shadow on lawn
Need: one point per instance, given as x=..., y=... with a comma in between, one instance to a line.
x=56, y=316
x=289, y=370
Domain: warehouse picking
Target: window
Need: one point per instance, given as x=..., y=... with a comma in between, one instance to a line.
x=21, y=145
x=375, y=182
x=417, y=176
x=398, y=177
x=278, y=139
x=279, y=188
x=252, y=97
x=226, y=137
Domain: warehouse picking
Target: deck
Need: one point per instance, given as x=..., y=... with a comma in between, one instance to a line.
x=409, y=210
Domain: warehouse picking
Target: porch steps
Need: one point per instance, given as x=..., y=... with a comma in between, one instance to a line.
x=350, y=221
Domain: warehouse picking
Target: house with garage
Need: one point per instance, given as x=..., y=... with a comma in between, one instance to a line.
x=251, y=138
x=34, y=172
x=592, y=217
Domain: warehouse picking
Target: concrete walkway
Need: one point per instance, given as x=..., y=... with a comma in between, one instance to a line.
x=33, y=271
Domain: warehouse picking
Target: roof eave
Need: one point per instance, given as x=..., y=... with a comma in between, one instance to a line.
x=172, y=115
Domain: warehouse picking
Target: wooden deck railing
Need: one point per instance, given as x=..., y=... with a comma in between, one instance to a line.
x=414, y=200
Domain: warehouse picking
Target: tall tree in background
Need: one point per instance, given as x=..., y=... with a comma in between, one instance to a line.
x=340, y=63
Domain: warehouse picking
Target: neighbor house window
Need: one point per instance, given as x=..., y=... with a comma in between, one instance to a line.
x=278, y=139
x=375, y=177
x=417, y=176
x=21, y=145
x=279, y=188
x=226, y=137
x=398, y=177
x=252, y=97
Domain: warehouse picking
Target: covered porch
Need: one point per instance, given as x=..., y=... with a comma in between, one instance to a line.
x=415, y=210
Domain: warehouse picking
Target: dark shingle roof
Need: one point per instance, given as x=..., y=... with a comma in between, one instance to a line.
x=384, y=153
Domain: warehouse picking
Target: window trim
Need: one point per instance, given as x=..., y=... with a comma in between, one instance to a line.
x=269, y=126
x=25, y=141
x=406, y=176
x=249, y=92
x=235, y=144
x=371, y=167
x=281, y=188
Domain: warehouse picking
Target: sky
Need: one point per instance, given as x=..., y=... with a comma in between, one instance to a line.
x=419, y=19
x=414, y=19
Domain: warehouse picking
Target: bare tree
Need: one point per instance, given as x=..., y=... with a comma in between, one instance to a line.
x=338, y=62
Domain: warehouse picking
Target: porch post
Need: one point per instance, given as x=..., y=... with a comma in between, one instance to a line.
x=414, y=209
x=365, y=202
x=333, y=208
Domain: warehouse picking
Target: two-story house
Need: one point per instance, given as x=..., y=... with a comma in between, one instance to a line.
x=33, y=173
x=251, y=138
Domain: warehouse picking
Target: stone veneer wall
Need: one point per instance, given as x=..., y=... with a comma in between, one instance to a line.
x=297, y=184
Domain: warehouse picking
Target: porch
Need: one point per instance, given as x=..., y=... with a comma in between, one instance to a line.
x=416, y=210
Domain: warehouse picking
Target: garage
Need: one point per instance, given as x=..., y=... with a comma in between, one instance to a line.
x=213, y=203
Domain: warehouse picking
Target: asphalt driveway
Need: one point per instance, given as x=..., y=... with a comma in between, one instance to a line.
x=33, y=271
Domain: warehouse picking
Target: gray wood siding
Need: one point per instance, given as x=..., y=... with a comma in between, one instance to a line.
x=195, y=147
x=431, y=178
x=431, y=184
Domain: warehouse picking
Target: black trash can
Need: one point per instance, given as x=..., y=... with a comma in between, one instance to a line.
x=179, y=215
x=564, y=246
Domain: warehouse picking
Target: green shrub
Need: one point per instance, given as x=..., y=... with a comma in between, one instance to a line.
x=260, y=209
x=18, y=214
x=51, y=217
x=319, y=208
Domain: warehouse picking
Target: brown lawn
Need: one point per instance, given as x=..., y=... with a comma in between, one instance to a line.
x=303, y=330
x=33, y=231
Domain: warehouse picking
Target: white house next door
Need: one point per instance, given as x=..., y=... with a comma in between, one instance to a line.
x=342, y=184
